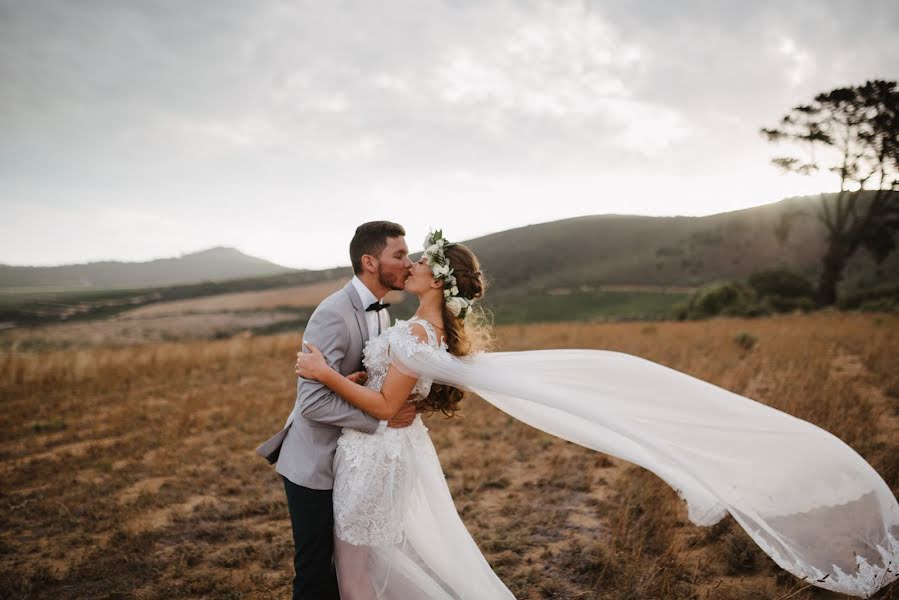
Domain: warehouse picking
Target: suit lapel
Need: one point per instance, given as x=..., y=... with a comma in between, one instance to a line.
x=363, y=324
x=360, y=310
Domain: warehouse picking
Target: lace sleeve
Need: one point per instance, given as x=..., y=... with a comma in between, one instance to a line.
x=405, y=347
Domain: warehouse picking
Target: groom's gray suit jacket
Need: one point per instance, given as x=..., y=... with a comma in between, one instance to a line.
x=338, y=328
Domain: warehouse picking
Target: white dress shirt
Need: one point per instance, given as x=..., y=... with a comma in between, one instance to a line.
x=374, y=319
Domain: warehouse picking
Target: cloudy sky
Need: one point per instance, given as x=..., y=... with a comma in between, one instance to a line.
x=134, y=130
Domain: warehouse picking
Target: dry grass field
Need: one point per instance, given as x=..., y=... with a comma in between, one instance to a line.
x=130, y=473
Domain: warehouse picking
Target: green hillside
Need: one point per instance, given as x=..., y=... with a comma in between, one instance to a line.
x=683, y=251
x=550, y=271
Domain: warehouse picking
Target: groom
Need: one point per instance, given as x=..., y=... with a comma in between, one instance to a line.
x=339, y=327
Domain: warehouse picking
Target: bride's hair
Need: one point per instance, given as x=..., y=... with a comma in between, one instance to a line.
x=463, y=336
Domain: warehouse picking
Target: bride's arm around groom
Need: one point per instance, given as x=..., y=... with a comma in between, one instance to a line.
x=317, y=402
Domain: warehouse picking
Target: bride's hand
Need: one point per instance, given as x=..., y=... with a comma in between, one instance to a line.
x=311, y=365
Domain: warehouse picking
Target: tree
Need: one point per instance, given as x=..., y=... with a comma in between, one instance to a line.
x=854, y=133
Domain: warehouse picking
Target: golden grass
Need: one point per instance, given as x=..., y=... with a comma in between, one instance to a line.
x=130, y=473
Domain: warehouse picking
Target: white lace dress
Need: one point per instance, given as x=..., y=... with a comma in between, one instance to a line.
x=371, y=471
x=397, y=533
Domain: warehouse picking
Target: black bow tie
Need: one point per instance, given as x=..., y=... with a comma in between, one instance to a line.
x=376, y=306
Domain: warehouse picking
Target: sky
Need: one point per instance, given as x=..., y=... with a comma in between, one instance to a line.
x=138, y=130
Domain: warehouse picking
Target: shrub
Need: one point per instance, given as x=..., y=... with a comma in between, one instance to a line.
x=680, y=311
x=781, y=283
x=764, y=293
x=882, y=304
x=744, y=340
x=782, y=304
x=871, y=298
x=729, y=298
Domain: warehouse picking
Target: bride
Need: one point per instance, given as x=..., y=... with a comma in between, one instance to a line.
x=806, y=498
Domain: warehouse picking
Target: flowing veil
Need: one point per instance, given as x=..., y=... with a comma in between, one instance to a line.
x=804, y=496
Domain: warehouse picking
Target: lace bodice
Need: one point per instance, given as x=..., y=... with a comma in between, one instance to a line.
x=399, y=338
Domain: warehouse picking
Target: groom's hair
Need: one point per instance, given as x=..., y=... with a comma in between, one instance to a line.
x=371, y=238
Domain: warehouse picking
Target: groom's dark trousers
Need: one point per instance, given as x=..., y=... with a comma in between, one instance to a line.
x=312, y=521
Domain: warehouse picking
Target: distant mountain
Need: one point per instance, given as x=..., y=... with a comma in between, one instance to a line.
x=215, y=264
x=583, y=254
x=670, y=251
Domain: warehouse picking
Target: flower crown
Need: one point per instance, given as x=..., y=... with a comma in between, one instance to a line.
x=435, y=247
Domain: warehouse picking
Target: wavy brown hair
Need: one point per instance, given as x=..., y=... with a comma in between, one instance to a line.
x=463, y=336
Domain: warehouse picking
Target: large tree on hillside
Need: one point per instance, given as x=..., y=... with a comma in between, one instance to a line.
x=854, y=133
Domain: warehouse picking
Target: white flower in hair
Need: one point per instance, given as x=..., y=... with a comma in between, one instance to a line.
x=435, y=255
x=456, y=304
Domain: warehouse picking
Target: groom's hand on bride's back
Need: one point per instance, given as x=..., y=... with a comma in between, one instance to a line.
x=403, y=418
x=359, y=377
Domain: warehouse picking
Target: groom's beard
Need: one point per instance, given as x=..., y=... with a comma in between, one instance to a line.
x=389, y=281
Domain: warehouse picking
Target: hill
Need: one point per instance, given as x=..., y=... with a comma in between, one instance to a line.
x=214, y=264
x=603, y=266
x=669, y=251
x=573, y=253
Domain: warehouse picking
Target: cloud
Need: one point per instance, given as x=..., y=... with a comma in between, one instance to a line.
x=298, y=106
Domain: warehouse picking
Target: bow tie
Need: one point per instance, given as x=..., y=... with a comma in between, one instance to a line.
x=376, y=306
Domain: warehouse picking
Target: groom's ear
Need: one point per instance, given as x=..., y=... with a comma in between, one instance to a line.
x=368, y=263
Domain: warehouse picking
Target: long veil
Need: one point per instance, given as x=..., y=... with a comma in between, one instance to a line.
x=804, y=496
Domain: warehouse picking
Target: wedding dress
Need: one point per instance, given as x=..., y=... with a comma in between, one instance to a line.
x=397, y=533
x=806, y=498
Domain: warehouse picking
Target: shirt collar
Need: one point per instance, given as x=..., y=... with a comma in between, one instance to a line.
x=364, y=293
